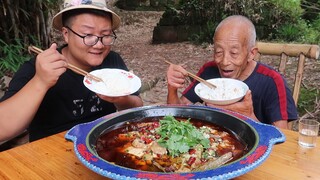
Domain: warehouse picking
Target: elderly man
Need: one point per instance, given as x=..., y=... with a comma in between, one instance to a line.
x=269, y=99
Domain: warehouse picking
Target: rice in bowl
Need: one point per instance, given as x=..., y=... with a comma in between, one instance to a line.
x=228, y=91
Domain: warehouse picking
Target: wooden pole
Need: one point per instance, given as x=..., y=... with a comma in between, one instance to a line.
x=310, y=51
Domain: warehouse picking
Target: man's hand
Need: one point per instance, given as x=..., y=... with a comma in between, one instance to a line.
x=123, y=102
x=113, y=99
x=176, y=76
x=244, y=107
x=176, y=79
x=50, y=64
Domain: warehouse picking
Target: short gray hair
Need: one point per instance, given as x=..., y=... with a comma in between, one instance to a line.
x=239, y=19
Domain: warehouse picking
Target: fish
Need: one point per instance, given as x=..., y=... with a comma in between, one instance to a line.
x=212, y=164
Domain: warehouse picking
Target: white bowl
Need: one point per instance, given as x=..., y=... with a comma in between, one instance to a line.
x=228, y=91
x=116, y=82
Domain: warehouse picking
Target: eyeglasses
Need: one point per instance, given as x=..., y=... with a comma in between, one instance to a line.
x=91, y=40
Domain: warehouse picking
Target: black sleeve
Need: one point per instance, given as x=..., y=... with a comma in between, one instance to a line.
x=20, y=79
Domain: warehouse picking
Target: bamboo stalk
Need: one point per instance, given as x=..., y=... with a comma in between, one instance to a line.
x=310, y=51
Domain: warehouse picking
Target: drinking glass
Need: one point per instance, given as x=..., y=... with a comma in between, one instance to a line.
x=308, y=132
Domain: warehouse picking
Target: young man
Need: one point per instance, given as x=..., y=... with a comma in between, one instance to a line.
x=269, y=99
x=45, y=97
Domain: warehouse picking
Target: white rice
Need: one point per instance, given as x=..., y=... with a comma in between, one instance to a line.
x=113, y=84
x=224, y=91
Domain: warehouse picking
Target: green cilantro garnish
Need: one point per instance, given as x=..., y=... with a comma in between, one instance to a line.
x=179, y=136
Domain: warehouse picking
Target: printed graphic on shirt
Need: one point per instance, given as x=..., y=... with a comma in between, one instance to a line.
x=95, y=101
x=93, y=105
x=79, y=107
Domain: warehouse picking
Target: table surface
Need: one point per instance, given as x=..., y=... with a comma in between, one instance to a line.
x=54, y=158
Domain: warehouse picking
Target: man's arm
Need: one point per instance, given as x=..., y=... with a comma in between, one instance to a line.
x=281, y=124
x=130, y=102
x=173, y=97
x=18, y=111
x=123, y=102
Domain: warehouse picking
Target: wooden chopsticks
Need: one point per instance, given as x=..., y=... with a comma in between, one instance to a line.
x=212, y=86
x=70, y=66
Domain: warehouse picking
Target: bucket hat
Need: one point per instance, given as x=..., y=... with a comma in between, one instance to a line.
x=70, y=5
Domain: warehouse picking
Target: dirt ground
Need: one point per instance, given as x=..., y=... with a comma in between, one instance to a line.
x=145, y=59
x=134, y=43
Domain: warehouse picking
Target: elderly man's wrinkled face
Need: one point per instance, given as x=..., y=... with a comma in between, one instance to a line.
x=231, y=51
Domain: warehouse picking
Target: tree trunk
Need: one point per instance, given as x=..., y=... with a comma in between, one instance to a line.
x=12, y=17
x=4, y=26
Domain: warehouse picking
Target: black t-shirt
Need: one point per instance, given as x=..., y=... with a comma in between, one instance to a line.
x=68, y=102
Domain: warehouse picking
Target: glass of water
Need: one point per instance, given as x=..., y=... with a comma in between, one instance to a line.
x=308, y=132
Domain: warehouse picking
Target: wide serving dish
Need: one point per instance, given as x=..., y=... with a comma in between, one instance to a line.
x=258, y=137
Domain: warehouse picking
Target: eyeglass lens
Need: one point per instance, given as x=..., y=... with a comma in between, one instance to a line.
x=92, y=40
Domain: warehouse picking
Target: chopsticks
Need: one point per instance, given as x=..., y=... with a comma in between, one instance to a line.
x=70, y=66
x=212, y=86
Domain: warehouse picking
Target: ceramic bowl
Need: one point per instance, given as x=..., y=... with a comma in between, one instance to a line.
x=228, y=91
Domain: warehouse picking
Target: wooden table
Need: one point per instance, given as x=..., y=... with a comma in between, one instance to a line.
x=53, y=158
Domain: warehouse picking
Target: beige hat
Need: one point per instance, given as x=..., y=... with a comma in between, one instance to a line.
x=84, y=4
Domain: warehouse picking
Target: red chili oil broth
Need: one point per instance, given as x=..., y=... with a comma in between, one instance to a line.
x=108, y=144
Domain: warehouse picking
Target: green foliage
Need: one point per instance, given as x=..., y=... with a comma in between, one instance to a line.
x=196, y=11
x=311, y=9
x=274, y=19
x=301, y=32
x=307, y=100
x=143, y=5
x=314, y=31
x=316, y=23
x=206, y=33
x=23, y=23
x=290, y=8
x=11, y=57
x=292, y=32
x=171, y=16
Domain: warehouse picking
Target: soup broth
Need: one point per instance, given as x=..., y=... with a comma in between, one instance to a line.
x=141, y=145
